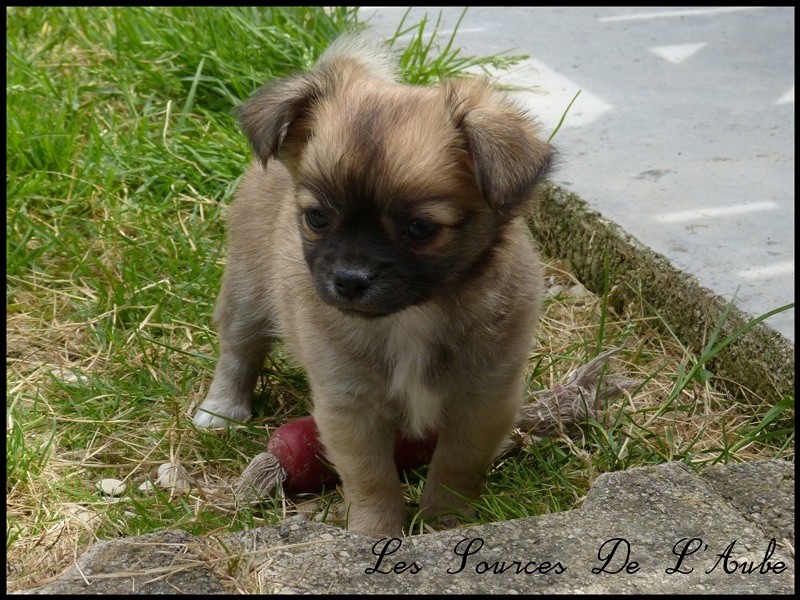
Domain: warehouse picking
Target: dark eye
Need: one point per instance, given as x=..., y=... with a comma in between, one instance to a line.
x=316, y=219
x=419, y=230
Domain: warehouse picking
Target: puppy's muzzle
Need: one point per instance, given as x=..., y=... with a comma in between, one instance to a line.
x=370, y=290
x=352, y=284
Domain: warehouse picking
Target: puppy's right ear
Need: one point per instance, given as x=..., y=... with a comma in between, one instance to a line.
x=276, y=117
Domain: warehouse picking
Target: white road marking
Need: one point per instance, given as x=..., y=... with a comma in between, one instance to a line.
x=446, y=33
x=547, y=94
x=697, y=12
x=449, y=32
x=714, y=211
x=787, y=98
x=767, y=271
x=677, y=54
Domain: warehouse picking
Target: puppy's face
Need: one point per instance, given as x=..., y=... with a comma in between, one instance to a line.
x=401, y=191
x=388, y=210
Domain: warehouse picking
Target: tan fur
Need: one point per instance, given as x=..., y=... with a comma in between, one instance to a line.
x=347, y=138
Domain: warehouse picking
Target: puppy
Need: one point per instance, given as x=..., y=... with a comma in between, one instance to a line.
x=380, y=233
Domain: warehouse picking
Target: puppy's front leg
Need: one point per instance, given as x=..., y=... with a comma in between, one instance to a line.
x=244, y=344
x=467, y=444
x=230, y=396
x=361, y=447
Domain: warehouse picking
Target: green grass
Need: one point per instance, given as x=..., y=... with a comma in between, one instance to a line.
x=122, y=152
x=425, y=60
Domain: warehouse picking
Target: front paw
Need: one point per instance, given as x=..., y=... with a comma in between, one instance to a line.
x=377, y=523
x=444, y=508
x=214, y=413
x=440, y=521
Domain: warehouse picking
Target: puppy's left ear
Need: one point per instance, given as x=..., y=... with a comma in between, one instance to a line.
x=506, y=156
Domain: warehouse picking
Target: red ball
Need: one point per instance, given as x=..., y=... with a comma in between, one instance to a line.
x=297, y=447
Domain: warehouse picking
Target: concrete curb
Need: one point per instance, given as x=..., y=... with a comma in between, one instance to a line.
x=761, y=360
x=659, y=529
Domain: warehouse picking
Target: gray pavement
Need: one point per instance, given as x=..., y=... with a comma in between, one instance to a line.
x=683, y=133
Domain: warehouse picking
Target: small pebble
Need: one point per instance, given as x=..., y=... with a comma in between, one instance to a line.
x=172, y=476
x=111, y=487
x=146, y=486
x=85, y=516
x=579, y=293
x=69, y=376
x=555, y=290
x=298, y=518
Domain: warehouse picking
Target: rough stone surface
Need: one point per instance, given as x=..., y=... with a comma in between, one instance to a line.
x=761, y=359
x=633, y=523
x=167, y=562
x=763, y=492
x=647, y=511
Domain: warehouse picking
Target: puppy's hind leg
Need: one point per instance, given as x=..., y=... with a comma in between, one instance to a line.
x=244, y=343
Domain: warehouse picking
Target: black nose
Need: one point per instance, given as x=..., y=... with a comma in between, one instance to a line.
x=352, y=284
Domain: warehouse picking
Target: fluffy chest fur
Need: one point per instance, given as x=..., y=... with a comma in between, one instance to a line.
x=411, y=349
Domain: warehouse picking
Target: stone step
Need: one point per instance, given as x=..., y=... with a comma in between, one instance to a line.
x=660, y=529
